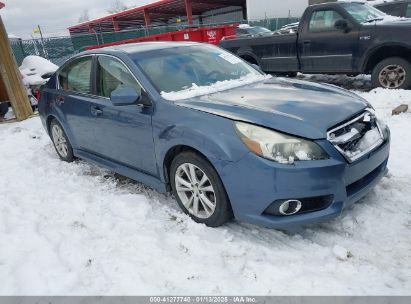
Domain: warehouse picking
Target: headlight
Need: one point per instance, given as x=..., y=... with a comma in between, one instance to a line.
x=277, y=146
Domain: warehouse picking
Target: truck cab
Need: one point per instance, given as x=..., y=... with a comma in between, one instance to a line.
x=337, y=38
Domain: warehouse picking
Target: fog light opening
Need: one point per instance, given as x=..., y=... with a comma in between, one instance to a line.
x=290, y=207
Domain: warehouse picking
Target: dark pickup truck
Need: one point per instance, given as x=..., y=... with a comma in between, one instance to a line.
x=336, y=38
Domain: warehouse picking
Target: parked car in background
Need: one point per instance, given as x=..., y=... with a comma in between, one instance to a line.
x=336, y=38
x=400, y=8
x=245, y=30
x=288, y=29
x=225, y=138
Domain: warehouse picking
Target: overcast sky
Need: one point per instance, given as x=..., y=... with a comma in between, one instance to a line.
x=54, y=16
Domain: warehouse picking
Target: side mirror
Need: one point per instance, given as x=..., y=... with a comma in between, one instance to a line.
x=125, y=96
x=341, y=25
x=257, y=67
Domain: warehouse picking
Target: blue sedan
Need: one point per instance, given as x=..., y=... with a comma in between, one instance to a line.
x=226, y=139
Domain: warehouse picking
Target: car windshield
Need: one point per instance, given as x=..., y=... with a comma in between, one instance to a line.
x=363, y=12
x=189, y=67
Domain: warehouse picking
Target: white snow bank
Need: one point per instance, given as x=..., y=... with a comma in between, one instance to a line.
x=11, y=36
x=34, y=67
x=76, y=229
x=195, y=90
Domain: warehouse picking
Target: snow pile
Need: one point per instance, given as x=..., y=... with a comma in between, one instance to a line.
x=370, y=139
x=196, y=90
x=12, y=37
x=35, y=70
x=244, y=26
x=341, y=253
x=76, y=229
x=360, y=82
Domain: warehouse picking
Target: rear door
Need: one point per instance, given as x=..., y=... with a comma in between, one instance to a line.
x=123, y=133
x=323, y=47
x=72, y=102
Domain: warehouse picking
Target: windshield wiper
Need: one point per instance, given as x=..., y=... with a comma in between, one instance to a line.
x=374, y=19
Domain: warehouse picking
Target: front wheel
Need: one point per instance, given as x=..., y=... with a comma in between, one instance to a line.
x=392, y=73
x=198, y=190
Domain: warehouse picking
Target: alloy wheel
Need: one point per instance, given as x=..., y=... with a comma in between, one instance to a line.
x=59, y=140
x=195, y=191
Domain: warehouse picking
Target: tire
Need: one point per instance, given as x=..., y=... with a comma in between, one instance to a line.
x=61, y=142
x=193, y=190
x=398, y=68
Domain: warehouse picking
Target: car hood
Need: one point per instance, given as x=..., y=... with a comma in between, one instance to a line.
x=392, y=22
x=295, y=107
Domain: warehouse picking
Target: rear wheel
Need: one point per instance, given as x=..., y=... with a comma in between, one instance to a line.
x=392, y=73
x=61, y=142
x=198, y=190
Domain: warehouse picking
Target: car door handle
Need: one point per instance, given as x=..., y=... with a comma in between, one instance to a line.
x=307, y=42
x=96, y=111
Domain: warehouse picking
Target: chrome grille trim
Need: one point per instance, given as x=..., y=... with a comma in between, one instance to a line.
x=347, y=137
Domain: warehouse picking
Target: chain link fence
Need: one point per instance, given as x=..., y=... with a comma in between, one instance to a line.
x=59, y=49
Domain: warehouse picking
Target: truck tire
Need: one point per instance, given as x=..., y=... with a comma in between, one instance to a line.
x=392, y=73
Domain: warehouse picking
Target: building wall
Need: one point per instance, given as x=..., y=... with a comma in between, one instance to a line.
x=261, y=9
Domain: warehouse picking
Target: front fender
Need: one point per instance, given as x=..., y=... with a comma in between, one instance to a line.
x=371, y=52
x=211, y=135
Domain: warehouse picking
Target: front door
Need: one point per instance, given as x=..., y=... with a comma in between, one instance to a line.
x=325, y=48
x=123, y=133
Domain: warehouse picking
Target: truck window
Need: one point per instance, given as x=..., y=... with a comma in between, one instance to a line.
x=395, y=9
x=408, y=15
x=324, y=21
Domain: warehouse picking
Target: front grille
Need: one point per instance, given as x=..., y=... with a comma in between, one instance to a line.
x=357, y=137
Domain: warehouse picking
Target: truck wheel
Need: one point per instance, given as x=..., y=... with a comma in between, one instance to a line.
x=392, y=73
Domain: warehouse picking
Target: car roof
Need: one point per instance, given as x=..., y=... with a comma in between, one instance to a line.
x=133, y=48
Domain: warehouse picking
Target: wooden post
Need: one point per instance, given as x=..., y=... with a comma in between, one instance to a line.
x=11, y=77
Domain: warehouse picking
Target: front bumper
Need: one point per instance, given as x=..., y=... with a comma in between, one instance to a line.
x=254, y=183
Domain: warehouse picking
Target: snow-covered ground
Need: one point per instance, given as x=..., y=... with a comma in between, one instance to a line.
x=78, y=229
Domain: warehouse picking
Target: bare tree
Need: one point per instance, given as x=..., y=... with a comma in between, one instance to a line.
x=84, y=16
x=116, y=7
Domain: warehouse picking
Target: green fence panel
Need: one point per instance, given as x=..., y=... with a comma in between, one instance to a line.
x=59, y=49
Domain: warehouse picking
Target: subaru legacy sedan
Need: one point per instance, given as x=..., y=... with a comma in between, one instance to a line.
x=228, y=140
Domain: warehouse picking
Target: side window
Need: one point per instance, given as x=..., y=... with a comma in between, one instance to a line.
x=241, y=32
x=76, y=76
x=392, y=9
x=324, y=21
x=113, y=74
x=408, y=14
